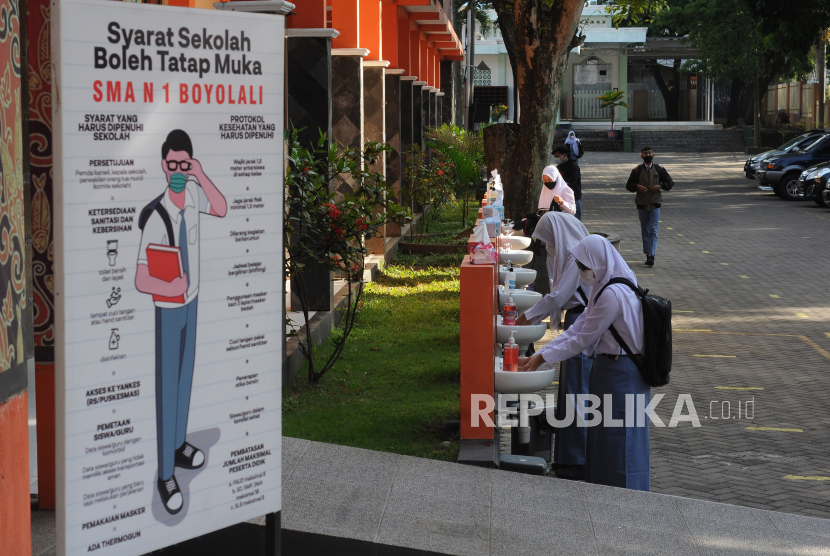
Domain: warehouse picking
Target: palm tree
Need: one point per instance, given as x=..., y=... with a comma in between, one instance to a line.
x=612, y=99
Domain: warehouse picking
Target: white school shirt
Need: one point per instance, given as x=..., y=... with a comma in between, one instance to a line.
x=563, y=295
x=567, y=194
x=156, y=232
x=618, y=305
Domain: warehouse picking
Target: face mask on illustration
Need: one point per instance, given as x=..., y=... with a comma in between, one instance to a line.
x=178, y=182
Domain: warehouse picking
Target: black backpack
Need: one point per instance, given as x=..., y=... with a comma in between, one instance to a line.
x=580, y=150
x=655, y=364
x=156, y=206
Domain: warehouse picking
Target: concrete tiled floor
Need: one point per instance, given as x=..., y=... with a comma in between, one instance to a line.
x=725, y=249
x=452, y=509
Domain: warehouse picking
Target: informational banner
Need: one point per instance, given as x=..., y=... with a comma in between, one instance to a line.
x=168, y=227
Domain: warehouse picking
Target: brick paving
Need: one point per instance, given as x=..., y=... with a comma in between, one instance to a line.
x=748, y=276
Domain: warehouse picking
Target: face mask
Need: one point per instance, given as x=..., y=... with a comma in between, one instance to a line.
x=648, y=159
x=587, y=277
x=178, y=182
x=559, y=160
x=548, y=184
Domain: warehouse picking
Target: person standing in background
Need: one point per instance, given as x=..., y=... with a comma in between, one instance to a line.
x=571, y=173
x=574, y=146
x=649, y=180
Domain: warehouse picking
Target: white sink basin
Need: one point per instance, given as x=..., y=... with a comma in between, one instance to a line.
x=523, y=335
x=524, y=276
x=523, y=299
x=523, y=383
x=516, y=242
x=519, y=257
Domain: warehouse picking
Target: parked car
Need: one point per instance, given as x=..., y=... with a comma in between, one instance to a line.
x=751, y=165
x=813, y=182
x=782, y=172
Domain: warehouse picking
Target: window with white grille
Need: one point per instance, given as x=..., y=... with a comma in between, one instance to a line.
x=482, y=76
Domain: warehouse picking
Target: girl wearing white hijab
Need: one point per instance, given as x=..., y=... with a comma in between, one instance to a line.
x=561, y=233
x=615, y=455
x=555, y=190
x=573, y=143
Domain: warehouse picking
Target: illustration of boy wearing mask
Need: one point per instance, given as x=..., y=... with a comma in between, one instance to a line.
x=172, y=220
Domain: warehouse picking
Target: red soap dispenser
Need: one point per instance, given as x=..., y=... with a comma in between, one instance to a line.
x=510, y=351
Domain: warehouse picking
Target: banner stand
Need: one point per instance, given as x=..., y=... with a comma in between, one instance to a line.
x=169, y=298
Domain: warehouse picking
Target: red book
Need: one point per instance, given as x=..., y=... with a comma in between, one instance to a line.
x=165, y=263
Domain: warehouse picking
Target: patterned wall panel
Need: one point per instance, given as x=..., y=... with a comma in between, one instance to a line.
x=374, y=101
x=12, y=220
x=40, y=141
x=308, y=73
x=392, y=114
x=347, y=107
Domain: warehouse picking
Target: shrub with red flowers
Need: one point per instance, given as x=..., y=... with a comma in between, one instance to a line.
x=462, y=153
x=429, y=187
x=327, y=232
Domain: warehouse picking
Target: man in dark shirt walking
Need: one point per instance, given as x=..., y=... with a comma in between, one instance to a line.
x=569, y=170
x=649, y=180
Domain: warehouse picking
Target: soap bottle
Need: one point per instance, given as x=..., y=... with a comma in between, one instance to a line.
x=509, y=311
x=510, y=279
x=510, y=352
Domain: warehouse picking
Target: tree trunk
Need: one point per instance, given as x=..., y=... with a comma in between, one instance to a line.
x=538, y=39
x=504, y=12
x=499, y=154
x=671, y=95
x=756, y=131
x=772, y=68
x=733, y=109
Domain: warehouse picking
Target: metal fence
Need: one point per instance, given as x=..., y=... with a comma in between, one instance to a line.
x=586, y=105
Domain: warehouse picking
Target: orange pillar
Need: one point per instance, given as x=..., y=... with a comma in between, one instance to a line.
x=389, y=33
x=415, y=54
x=478, y=343
x=345, y=17
x=437, y=77
x=423, y=71
x=430, y=67
x=309, y=14
x=370, y=29
x=403, y=41
x=15, y=502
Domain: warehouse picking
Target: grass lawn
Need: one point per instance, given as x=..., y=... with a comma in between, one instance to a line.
x=447, y=225
x=397, y=382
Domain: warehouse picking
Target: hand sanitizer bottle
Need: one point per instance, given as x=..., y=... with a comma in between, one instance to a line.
x=509, y=311
x=510, y=279
x=510, y=351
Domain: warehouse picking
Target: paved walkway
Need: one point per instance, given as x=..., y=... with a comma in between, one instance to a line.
x=439, y=507
x=749, y=279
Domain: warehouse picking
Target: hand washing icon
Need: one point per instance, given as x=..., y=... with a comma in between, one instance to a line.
x=114, y=297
